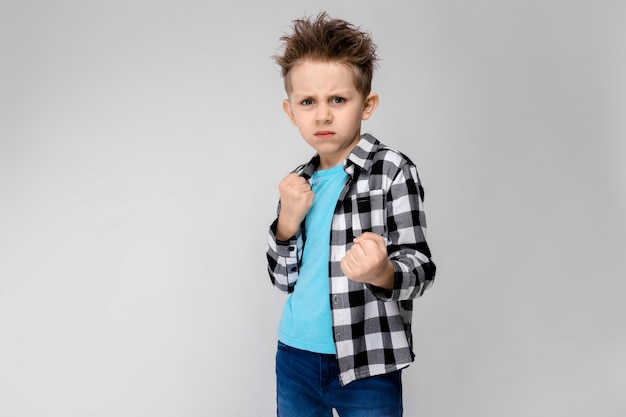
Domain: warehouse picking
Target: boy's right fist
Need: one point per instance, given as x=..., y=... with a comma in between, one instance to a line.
x=296, y=198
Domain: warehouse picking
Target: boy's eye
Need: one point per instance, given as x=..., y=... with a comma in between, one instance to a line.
x=338, y=100
x=306, y=102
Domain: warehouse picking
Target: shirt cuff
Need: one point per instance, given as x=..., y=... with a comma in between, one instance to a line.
x=284, y=248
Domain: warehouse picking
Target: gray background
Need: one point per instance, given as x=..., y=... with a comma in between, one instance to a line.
x=141, y=143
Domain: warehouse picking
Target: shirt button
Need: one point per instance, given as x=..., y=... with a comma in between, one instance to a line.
x=291, y=248
x=294, y=269
x=336, y=299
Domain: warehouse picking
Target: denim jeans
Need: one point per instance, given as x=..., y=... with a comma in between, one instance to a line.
x=307, y=385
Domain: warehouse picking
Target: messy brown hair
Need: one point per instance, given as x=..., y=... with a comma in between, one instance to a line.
x=326, y=39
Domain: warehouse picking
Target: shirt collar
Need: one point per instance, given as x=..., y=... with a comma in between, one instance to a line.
x=360, y=158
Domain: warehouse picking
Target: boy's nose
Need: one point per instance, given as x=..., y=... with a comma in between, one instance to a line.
x=323, y=114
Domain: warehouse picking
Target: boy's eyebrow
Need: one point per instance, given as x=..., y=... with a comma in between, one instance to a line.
x=332, y=94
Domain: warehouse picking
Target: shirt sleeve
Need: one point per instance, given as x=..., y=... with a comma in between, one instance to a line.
x=283, y=259
x=407, y=246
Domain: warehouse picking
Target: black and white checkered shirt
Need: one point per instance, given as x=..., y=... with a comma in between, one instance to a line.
x=383, y=195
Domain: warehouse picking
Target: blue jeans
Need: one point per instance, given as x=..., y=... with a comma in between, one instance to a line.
x=307, y=385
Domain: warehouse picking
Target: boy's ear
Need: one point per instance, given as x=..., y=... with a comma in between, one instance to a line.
x=288, y=112
x=371, y=102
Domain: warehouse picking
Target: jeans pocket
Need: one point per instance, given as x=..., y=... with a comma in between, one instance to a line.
x=284, y=347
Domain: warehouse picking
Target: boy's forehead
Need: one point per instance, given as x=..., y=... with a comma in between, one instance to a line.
x=321, y=74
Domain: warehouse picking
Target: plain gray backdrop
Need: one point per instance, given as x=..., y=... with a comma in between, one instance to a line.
x=141, y=144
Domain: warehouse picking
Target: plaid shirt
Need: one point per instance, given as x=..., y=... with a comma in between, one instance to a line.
x=383, y=195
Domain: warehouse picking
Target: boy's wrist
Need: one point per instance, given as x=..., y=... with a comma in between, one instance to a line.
x=284, y=230
x=387, y=278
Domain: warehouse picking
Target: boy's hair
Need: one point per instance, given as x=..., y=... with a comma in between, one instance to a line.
x=327, y=39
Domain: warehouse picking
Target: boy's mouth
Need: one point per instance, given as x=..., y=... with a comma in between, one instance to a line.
x=324, y=134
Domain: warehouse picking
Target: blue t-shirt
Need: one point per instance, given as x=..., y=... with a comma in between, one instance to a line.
x=306, y=322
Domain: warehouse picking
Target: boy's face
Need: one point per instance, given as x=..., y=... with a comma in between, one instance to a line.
x=325, y=105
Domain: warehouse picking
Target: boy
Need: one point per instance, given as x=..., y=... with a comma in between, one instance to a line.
x=348, y=244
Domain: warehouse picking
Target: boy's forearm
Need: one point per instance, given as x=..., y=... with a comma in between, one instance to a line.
x=285, y=229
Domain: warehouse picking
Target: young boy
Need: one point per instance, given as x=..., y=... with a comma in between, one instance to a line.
x=348, y=244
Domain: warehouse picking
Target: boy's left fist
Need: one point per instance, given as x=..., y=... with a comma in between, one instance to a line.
x=367, y=261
